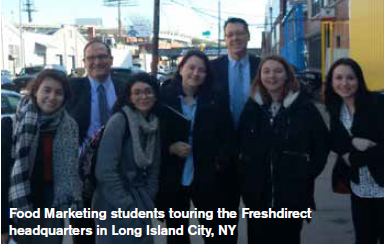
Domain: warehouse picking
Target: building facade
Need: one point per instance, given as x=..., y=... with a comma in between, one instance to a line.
x=40, y=45
x=11, y=53
x=310, y=34
x=367, y=40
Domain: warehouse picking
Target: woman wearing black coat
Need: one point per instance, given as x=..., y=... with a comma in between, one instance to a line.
x=357, y=132
x=283, y=148
x=192, y=140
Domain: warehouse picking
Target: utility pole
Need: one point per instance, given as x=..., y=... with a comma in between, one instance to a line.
x=119, y=19
x=219, y=29
x=119, y=4
x=155, y=40
x=29, y=8
x=21, y=56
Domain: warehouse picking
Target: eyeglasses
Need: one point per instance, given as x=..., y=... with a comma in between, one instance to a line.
x=238, y=33
x=101, y=57
x=142, y=93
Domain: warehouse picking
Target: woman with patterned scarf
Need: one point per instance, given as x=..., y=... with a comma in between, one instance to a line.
x=45, y=153
x=128, y=161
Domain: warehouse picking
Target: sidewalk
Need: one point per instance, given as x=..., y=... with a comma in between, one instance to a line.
x=331, y=223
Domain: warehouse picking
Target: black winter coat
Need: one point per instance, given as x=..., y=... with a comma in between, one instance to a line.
x=281, y=157
x=210, y=140
x=6, y=165
x=368, y=123
x=79, y=106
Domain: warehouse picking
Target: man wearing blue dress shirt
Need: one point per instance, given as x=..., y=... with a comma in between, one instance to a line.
x=233, y=76
x=91, y=105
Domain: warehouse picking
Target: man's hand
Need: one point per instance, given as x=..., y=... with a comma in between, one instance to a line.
x=180, y=149
x=362, y=144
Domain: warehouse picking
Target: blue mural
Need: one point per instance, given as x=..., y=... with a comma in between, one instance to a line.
x=294, y=40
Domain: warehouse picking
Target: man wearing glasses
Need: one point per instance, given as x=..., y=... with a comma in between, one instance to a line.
x=91, y=105
x=233, y=76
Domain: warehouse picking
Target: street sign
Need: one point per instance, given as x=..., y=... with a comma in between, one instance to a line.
x=207, y=33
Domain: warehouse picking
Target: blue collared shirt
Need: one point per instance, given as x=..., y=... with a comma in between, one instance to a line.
x=189, y=112
x=246, y=76
x=110, y=93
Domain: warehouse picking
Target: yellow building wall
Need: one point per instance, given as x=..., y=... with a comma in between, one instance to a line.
x=367, y=39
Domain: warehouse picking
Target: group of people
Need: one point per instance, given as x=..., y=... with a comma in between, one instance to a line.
x=235, y=127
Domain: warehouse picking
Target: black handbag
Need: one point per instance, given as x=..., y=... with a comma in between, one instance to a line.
x=341, y=177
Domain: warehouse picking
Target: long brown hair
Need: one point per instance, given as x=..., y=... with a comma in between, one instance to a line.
x=362, y=95
x=290, y=85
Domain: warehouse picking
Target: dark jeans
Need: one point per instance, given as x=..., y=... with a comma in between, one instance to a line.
x=284, y=230
x=228, y=197
x=44, y=199
x=84, y=223
x=181, y=201
x=368, y=219
x=270, y=231
x=274, y=231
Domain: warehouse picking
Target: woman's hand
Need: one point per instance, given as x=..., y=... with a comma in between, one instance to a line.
x=346, y=159
x=362, y=144
x=180, y=149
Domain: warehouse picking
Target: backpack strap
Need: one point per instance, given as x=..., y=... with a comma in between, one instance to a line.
x=127, y=131
x=90, y=181
x=126, y=136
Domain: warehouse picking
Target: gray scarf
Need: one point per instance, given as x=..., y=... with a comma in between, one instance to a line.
x=66, y=180
x=139, y=127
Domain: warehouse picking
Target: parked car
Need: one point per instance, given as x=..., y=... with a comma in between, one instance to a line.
x=77, y=72
x=29, y=73
x=6, y=77
x=9, y=102
x=123, y=73
x=162, y=77
x=310, y=82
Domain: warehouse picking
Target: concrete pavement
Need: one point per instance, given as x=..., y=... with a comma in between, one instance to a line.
x=332, y=222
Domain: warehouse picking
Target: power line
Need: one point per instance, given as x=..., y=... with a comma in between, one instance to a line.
x=119, y=4
x=201, y=12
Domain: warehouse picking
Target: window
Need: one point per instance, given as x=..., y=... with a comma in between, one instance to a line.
x=5, y=108
x=316, y=6
x=9, y=103
x=338, y=41
x=13, y=102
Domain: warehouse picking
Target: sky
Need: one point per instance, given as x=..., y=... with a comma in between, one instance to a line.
x=191, y=17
